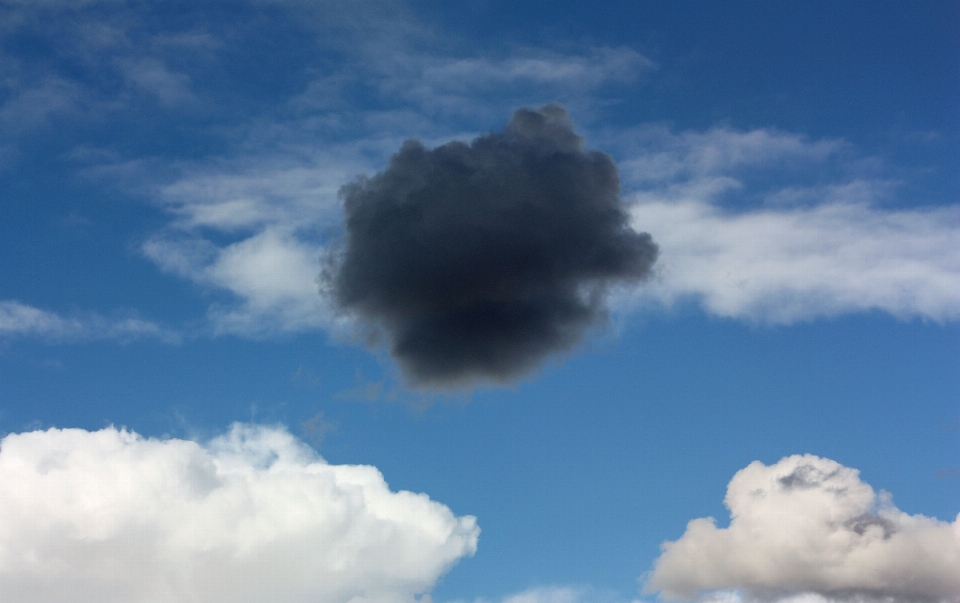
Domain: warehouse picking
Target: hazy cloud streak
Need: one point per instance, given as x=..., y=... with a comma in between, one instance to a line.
x=21, y=320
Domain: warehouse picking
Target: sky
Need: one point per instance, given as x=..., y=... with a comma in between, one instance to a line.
x=479, y=302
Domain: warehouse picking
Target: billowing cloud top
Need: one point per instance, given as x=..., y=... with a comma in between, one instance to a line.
x=478, y=260
x=808, y=525
x=255, y=515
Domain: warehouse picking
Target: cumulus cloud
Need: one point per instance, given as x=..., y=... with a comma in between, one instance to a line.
x=478, y=260
x=21, y=320
x=254, y=515
x=809, y=528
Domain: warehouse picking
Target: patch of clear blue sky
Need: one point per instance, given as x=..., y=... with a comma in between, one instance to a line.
x=578, y=473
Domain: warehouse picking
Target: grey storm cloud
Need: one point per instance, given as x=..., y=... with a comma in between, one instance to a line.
x=477, y=261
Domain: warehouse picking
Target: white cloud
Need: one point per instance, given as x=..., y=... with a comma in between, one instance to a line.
x=808, y=527
x=153, y=76
x=654, y=157
x=564, y=594
x=458, y=85
x=273, y=274
x=275, y=218
x=555, y=594
x=29, y=107
x=261, y=193
x=255, y=515
x=784, y=265
x=559, y=594
x=17, y=319
x=584, y=71
x=788, y=249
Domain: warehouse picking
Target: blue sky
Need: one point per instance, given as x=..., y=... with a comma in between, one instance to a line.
x=169, y=177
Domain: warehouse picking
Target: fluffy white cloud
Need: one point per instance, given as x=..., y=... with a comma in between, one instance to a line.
x=254, y=515
x=17, y=319
x=808, y=527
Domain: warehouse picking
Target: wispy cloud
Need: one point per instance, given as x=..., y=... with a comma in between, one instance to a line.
x=458, y=85
x=559, y=594
x=21, y=320
x=771, y=227
x=272, y=275
x=785, y=265
x=151, y=75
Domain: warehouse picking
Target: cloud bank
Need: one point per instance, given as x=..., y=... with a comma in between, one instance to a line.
x=255, y=515
x=808, y=527
x=478, y=261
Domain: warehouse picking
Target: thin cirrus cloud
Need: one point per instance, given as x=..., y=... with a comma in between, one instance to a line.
x=21, y=320
x=109, y=516
x=558, y=593
x=807, y=529
x=456, y=84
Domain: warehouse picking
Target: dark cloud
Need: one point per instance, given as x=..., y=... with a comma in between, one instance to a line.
x=476, y=261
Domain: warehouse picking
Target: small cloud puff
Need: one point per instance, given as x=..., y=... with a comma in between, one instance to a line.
x=808, y=527
x=255, y=515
